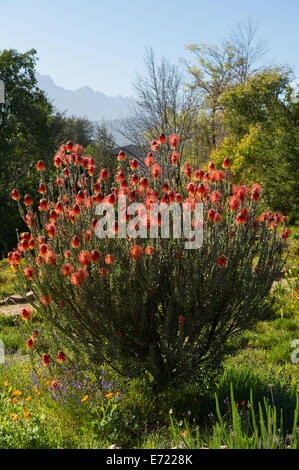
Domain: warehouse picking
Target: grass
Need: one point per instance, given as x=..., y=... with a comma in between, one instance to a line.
x=255, y=406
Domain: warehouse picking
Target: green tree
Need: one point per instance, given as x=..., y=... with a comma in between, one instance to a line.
x=262, y=122
x=25, y=133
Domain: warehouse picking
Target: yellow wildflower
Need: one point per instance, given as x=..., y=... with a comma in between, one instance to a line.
x=28, y=398
x=109, y=395
x=84, y=399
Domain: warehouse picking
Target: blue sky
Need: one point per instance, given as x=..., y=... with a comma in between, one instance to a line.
x=101, y=43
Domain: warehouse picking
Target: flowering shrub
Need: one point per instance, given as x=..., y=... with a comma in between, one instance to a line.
x=139, y=304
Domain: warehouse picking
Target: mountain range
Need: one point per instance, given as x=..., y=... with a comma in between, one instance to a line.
x=85, y=102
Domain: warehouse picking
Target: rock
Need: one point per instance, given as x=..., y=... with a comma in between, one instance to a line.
x=29, y=295
x=114, y=447
x=15, y=299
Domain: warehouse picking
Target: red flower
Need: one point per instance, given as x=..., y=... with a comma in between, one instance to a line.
x=78, y=277
x=121, y=155
x=84, y=257
x=109, y=259
x=211, y=166
x=234, y=202
x=28, y=200
x=133, y=164
x=243, y=216
x=215, y=197
x=104, y=174
x=174, y=140
x=175, y=157
x=104, y=271
x=181, y=319
x=285, y=234
x=67, y=269
x=43, y=205
x=42, y=188
x=69, y=146
x=155, y=146
x=51, y=258
x=217, y=175
x=26, y=313
x=136, y=251
x=57, y=161
x=144, y=182
x=111, y=199
x=95, y=256
x=256, y=190
x=211, y=214
x=76, y=241
x=222, y=260
x=30, y=343
x=198, y=175
x=156, y=171
x=149, y=250
x=240, y=191
x=40, y=166
x=225, y=163
x=53, y=215
x=232, y=233
x=46, y=299
x=46, y=359
x=188, y=170
x=149, y=161
x=61, y=357
x=162, y=139
x=28, y=272
x=15, y=194
x=44, y=249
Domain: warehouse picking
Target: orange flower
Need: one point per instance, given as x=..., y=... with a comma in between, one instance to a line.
x=174, y=140
x=136, y=251
x=30, y=343
x=26, y=414
x=46, y=359
x=109, y=259
x=46, y=299
x=26, y=313
x=84, y=257
x=225, y=163
x=61, y=357
x=149, y=250
x=28, y=200
x=76, y=241
x=104, y=271
x=67, y=269
x=15, y=194
x=78, y=277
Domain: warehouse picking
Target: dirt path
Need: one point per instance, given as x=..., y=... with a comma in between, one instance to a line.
x=12, y=310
